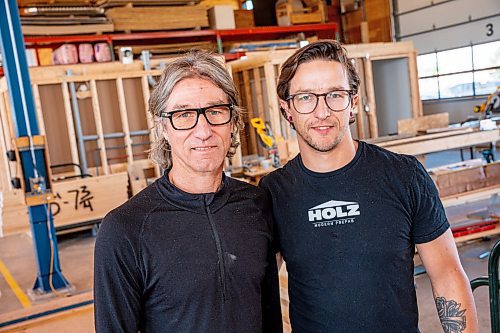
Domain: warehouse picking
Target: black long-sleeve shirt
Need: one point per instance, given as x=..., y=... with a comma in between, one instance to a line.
x=170, y=261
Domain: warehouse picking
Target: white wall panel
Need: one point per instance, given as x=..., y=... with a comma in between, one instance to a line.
x=407, y=5
x=463, y=35
x=454, y=12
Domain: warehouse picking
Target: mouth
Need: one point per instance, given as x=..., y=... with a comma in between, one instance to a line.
x=203, y=148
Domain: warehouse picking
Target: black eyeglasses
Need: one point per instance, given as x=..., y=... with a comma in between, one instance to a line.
x=185, y=119
x=336, y=100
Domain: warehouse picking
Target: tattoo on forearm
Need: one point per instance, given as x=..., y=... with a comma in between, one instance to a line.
x=452, y=318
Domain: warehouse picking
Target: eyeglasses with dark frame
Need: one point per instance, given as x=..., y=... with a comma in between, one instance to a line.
x=336, y=100
x=185, y=119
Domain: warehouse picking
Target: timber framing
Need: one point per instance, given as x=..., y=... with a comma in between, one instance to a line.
x=260, y=70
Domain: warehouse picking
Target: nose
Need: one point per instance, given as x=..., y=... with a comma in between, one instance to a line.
x=322, y=110
x=202, y=130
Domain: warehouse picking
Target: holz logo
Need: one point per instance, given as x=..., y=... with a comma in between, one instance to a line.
x=333, y=213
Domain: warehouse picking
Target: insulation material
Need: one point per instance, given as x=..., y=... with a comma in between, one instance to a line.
x=86, y=53
x=45, y=56
x=65, y=54
x=102, y=52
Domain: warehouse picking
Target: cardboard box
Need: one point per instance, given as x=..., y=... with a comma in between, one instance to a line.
x=244, y=18
x=221, y=17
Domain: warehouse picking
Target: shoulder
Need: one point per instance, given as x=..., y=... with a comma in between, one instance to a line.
x=242, y=189
x=286, y=174
x=126, y=221
x=383, y=158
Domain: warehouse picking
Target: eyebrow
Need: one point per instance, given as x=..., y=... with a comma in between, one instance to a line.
x=307, y=90
x=187, y=106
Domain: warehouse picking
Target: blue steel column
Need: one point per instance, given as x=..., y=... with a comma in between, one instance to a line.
x=33, y=159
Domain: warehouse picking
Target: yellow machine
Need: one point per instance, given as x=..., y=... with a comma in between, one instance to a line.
x=492, y=104
x=266, y=139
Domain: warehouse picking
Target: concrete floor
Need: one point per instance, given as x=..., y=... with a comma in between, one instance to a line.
x=76, y=253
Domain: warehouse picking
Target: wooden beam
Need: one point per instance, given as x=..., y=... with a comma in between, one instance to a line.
x=247, y=90
x=416, y=102
x=70, y=126
x=98, y=125
x=122, y=105
x=446, y=142
x=370, y=96
x=149, y=118
x=4, y=163
x=272, y=98
x=38, y=108
x=418, y=124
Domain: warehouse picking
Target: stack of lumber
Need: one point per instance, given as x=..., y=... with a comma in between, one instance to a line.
x=157, y=17
x=466, y=177
x=62, y=17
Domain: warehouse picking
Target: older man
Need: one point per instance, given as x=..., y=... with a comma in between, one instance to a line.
x=193, y=251
x=349, y=214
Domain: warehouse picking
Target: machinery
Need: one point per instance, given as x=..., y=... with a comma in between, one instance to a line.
x=31, y=154
x=492, y=105
x=266, y=139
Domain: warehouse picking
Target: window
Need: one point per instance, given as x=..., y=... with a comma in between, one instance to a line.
x=461, y=72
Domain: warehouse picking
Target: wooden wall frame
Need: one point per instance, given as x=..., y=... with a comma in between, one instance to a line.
x=361, y=54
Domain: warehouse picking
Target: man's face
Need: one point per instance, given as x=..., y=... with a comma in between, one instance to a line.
x=323, y=129
x=203, y=148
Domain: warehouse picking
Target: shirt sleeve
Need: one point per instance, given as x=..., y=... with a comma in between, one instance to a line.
x=272, y=321
x=117, y=286
x=429, y=217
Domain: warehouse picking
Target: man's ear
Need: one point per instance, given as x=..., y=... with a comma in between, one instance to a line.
x=284, y=106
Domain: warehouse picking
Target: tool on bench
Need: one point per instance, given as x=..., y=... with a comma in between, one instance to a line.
x=266, y=139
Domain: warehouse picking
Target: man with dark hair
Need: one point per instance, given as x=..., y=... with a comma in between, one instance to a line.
x=193, y=251
x=349, y=214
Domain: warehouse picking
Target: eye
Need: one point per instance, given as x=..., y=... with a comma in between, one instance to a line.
x=304, y=97
x=214, y=112
x=336, y=94
x=184, y=115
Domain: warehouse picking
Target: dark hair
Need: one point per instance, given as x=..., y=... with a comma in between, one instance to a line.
x=195, y=63
x=329, y=50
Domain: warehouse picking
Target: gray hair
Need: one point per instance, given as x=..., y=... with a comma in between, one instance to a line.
x=194, y=64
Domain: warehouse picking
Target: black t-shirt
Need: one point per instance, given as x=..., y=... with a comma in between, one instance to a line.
x=348, y=238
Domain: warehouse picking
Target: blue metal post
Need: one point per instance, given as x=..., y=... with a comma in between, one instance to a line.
x=32, y=157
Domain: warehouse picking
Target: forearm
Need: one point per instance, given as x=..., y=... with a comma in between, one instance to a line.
x=455, y=303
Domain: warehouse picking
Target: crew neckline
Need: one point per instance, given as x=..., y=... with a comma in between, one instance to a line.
x=345, y=168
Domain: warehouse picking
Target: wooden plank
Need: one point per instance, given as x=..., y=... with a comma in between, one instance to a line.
x=470, y=196
x=259, y=97
x=418, y=124
x=15, y=218
x=379, y=49
x=416, y=102
x=370, y=96
x=446, y=143
x=70, y=127
x=57, y=303
x=247, y=89
x=4, y=138
x=272, y=98
x=84, y=72
x=98, y=125
x=72, y=29
x=38, y=109
x=403, y=138
x=149, y=118
x=124, y=119
x=158, y=18
x=87, y=199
